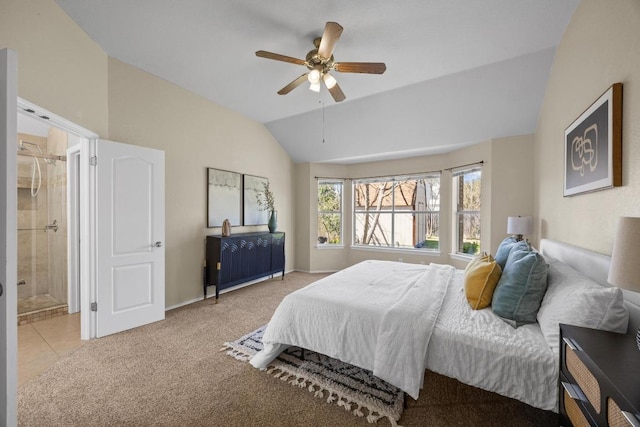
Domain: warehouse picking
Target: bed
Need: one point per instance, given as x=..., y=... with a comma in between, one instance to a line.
x=398, y=319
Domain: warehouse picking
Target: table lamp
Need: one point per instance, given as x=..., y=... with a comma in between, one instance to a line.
x=624, y=271
x=519, y=225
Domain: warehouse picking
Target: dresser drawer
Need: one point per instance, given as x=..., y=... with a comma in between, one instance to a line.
x=583, y=377
x=617, y=418
x=573, y=411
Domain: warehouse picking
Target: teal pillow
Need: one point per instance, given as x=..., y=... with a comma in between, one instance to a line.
x=503, y=251
x=521, y=287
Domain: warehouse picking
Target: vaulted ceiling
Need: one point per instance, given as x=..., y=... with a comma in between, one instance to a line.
x=458, y=71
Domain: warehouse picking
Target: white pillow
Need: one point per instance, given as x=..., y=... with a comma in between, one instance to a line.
x=574, y=299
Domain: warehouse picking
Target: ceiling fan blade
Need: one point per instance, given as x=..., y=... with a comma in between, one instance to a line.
x=336, y=93
x=360, y=67
x=278, y=57
x=294, y=84
x=332, y=32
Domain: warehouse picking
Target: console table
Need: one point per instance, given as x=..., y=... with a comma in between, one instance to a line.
x=239, y=258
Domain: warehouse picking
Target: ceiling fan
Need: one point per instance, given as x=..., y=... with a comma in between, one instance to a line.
x=320, y=62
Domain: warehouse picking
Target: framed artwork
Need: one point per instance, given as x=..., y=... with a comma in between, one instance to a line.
x=254, y=185
x=224, y=197
x=593, y=146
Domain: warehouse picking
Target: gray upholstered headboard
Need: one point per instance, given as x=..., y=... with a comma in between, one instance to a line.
x=595, y=266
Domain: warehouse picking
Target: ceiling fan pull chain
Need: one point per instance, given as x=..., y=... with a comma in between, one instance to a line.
x=322, y=120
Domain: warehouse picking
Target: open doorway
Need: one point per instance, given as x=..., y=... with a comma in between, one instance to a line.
x=115, y=217
x=48, y=291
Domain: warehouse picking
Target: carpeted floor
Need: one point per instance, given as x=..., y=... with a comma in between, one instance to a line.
x=172, y=373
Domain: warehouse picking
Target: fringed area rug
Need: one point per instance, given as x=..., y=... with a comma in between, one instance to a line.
x=356, y=390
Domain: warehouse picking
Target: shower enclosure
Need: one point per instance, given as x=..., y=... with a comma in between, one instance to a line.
x=42, y=225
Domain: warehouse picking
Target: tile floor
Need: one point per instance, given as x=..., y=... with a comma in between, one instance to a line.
x=43, y=343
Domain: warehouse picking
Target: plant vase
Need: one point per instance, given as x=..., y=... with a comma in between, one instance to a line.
x=273, y=222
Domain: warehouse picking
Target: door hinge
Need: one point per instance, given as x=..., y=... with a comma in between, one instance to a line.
x=94, y=306
x=93, y=160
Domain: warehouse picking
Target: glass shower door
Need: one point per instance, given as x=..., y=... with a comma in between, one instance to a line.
x=41, y=217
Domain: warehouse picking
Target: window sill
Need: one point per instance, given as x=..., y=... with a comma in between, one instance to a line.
x=406, y=251
x=326, y=246
x=461, y=257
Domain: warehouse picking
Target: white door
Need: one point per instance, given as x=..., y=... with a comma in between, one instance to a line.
x=8, y=245
x=129, y=236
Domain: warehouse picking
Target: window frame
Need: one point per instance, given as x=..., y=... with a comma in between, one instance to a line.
x=392, y=211
x=457, y=177
x=320, y=182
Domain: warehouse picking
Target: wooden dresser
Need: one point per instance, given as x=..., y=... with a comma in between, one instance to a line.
x=240, y=258
x=599, y=381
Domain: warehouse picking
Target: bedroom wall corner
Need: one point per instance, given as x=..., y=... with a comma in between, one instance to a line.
x=195, y=133
x=302, y=188
x=601, y=46
x=512, y=183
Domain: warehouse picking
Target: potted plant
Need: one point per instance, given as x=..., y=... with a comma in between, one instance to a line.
x=267, y=203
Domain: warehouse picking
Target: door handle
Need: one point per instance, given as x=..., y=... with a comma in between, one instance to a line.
x=157, y=244
x=1, y=289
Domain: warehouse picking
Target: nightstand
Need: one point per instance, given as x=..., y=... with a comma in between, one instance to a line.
x=599, y=381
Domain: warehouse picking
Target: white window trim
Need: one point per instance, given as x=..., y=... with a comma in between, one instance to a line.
x=456, y=173
x=460, y=257
x=406, y=251
x=329, y=246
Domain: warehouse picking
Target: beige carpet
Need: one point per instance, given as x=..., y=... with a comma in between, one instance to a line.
x=171, y=373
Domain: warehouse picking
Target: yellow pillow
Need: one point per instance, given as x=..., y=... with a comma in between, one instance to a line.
x=480, y=279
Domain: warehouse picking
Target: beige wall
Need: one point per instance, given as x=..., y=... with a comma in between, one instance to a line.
x=194, y=134
x=59, y=67
x=507, y=190
x=511, y=183
x=601, y=46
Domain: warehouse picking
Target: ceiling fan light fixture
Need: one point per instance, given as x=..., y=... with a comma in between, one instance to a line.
x=329, y=81
x=314, y=76
x=320, y=61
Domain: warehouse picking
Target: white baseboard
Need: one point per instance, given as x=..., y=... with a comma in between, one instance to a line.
x=316, y=271
x=224, y=291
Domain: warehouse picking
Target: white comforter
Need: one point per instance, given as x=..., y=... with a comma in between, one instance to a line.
x=479, y=349
x=377, y=315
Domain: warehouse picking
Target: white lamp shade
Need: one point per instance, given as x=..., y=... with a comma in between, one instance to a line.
x=329, y=81
x=519, y=225
x=313, y=76
x=624, y=271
